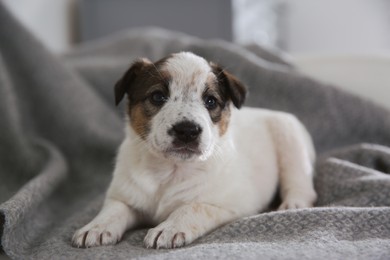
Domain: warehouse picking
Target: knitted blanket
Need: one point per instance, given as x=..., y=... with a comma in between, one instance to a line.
x=59, y=130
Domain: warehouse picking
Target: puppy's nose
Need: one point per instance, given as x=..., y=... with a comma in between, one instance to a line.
x=186, y=131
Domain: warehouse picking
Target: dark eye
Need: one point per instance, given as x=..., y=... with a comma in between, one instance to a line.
x=210, y=102
x=158, y=98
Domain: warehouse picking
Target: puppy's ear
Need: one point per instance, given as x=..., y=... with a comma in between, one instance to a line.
x=124, y=84
x=235, y=90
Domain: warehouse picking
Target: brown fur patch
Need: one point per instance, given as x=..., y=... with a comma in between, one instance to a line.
x=221, y=114
x=226, y=88
x=224, y=122
x=233, y=89
x=139, y=82
x=139, y=120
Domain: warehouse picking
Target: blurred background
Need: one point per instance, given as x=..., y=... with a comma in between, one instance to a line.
x=344, y=42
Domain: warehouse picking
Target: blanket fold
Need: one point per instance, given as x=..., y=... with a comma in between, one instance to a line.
x=59, y=131
x=356, y=176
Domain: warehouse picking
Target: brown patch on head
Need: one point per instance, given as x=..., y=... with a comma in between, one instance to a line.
x=140, y=82
x=233, y=89
x=220, y=115
x=225, y=88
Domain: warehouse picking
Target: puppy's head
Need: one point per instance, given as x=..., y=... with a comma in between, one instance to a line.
x=180, y=105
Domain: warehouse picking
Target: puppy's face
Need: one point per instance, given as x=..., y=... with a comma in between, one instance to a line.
x=180, y=105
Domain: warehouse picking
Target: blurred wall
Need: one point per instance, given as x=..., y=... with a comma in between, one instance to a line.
x=49, y=20
x=346, y=26
x=357, y=26
x=201, y=18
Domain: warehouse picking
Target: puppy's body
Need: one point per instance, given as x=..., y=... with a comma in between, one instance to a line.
x=191, y=162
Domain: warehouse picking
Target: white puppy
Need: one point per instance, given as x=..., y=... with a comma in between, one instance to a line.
x=191, y=161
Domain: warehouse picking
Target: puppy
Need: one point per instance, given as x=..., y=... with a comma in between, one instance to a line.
x=191, y=161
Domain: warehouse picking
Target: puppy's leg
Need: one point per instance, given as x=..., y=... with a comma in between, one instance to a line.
x=295, y=158
x=186, y=224
x=107, y=227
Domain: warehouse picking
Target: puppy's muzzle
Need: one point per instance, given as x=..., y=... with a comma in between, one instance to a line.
x=185, y=133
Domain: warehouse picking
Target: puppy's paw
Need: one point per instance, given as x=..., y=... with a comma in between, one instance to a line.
x=298, y=200
x=95, y=235
x=167, y=236
x=294, y=204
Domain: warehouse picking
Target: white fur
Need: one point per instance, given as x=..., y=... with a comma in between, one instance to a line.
x=236, y=174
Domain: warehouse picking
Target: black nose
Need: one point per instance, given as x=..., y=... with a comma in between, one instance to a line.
x=186, y=131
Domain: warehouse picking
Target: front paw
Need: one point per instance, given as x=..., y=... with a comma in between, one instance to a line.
x=167, y=236
x=95, y=235
x=298, y=201
x=294, y=204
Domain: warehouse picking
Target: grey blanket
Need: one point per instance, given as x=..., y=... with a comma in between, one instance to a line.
x=59, y=130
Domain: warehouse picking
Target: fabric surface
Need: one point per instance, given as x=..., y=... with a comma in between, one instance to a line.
x=59, y=130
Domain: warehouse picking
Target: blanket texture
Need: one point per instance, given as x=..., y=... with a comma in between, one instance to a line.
x=59, y=130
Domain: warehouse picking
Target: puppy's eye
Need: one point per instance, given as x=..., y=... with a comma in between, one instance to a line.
x=210, y=102
x=158, y=98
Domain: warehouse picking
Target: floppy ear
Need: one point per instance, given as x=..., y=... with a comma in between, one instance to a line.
x=124, y=84
x=234, y=88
